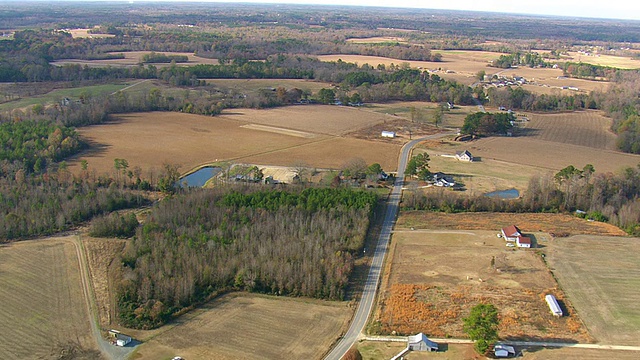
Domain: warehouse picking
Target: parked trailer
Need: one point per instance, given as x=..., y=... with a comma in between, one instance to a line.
x=553, y=305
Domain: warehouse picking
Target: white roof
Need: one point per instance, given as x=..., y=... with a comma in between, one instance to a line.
x=506, y=348
x=415, y=339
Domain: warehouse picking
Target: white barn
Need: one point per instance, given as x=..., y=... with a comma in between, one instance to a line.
x=553, y=305
x=420, y=342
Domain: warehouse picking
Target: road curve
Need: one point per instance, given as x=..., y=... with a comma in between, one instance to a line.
x=371, y=285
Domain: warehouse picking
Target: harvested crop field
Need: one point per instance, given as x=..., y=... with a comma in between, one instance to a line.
x=556, y=224
x=377, y=40
x=436, y=277
x=620, y=62
x=246, y=326
x=583, y=128
x=600, y=276
x=133, y=58
x=149, y=140
x=43, y=313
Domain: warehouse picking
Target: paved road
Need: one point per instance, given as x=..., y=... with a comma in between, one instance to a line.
x=371, y=286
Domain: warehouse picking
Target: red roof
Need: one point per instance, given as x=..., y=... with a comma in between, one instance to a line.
x=511, y=231
x=524, y=240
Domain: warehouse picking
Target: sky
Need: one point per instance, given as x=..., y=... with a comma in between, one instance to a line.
x=611, y=9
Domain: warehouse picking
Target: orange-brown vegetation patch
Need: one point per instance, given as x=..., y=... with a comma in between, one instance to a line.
x=248, y=326
x=436, y=277
x=43, y=314
x=101, y=254
x=557, y=224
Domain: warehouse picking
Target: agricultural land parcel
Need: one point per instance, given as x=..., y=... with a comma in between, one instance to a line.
x=249, y=326
x=463, y=66
x=44, y=313
x=601, y=279
x=436, y=276
x=133, y=58
x=149, y=140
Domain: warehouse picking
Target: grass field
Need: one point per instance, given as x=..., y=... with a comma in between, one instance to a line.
x=59, y=94
x=600, y=276
x=149, y=140
x=247, y=326
x=377, y=40
x=84, y=33
x=43, y=313
x=248, y=86
x=436, y=277
x=620, y=62
x=133, y=58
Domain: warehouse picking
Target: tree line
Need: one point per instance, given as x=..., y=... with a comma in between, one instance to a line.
x=605, y=196
x=200, y=243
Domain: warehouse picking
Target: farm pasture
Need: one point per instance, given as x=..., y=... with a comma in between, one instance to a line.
x=43, y=313
x=149, y=140
x=620, y=62
x=436, y=276
x=84, y=33
x=377, y=40
x=600, y=276
x=249, y=86
x=133, y=58
x=250, y=326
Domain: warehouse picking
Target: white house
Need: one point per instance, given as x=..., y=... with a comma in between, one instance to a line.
x=420, y=342
x=388, y=134
x=511, y=233
x=464, y=156
x=443, y=180
x=553, y=305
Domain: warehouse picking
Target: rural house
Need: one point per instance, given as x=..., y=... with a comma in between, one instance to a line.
x=420, y=342
x=464, y=156
x=443, y=180
x=511, y=233
x=523, y=242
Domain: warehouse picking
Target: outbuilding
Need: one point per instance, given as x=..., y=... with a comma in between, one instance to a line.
x=523, y=242
x=420, y=342
x=553, y=305
x=503, y=351
x=388, y=134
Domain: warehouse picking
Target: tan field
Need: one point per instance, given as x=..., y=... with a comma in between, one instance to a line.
x=43, y=313
x=436, y=276
x=377, y=40
x=133, y=58
x=84, y=33
x=619, y=62
x=149, y=140
x=254, y=85
x=248, y=326
x=600, y=277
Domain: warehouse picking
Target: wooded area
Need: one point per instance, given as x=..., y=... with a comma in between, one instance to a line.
x=203, y=243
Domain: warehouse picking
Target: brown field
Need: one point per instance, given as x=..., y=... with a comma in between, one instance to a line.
x=248, y=326
x=150, y=140
x=621, y=62
x=43, y=313
x=377, y=40
x=436, y=276
x=600, y=277
x=133, y=58
x=558, y=224
x=254, y=85
x=84, y=33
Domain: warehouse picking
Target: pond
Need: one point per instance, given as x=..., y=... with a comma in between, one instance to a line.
x=504, y=194
x=200, y=177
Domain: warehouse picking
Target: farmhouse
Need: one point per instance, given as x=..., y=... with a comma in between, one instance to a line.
x=511, y=233
x=388, y=134
x=464, y=156
x=553, y=305
x=420, y=342
x=443, y=180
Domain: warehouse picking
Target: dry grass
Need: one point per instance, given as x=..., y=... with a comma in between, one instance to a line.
x=600, y=277
x=133, y=58
x=84, y=33
x=374, y=350
x=620, y=62
x=437, y=276
x=150, y=140
x=558, y=224
x=254, y=85
x=246, y=326
x=377, y=40
x=43, y=313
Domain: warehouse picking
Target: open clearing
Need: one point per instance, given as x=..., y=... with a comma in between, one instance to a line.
x=377, y=40
x=133, y=58
x=620, y=62
x=248, y=326
x=600, y=276
x=149, y=140
x=43, y=313
x=436, y=276
x=84, y=33
x=247, y=86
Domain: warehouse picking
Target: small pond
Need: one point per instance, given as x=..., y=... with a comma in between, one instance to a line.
x=200, y=177
x=504, y=194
